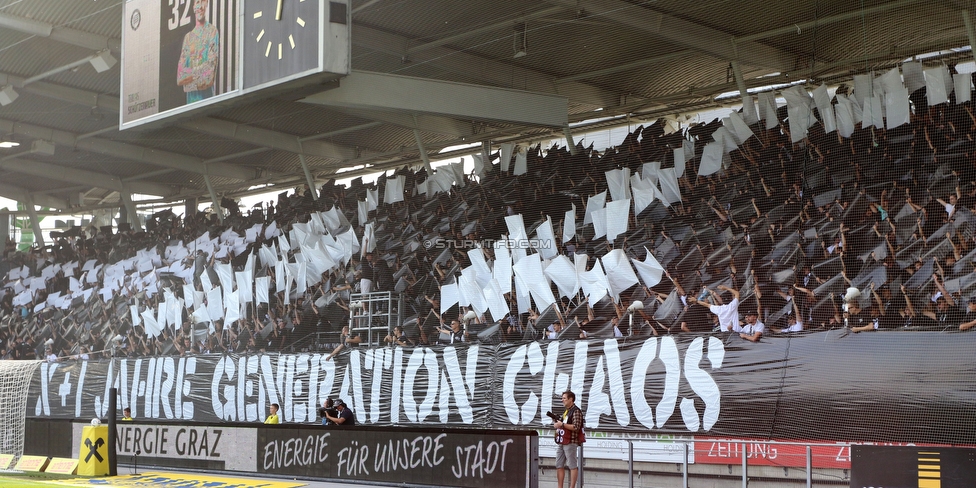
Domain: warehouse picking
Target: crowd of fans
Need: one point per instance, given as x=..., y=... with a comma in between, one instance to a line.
x=870, y=232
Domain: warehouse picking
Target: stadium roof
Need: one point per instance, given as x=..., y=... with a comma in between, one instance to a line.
x=621, y=60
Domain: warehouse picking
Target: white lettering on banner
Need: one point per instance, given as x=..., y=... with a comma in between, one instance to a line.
x=169, y=368
x=319, y=389
x=267, y=385
x=241, y=393
x=549, y=382
x=754, y=450
x=101, y=401
x=357, y=379
x=65, y=389
x=404, y=454
x=612, y=353
x=154, y=391
x=397, y=382
x=377, y=367
x=428, y=359
x=532, y=354
x=844, y=451
x=352, y=460
x=478, y=460
x=702, y=383
x=844, y=454
x=43, y=403
x=299, y=451
x=461, y=387
x=608, y=367
x=130, y=400
x=622, y=384
x=81, y=388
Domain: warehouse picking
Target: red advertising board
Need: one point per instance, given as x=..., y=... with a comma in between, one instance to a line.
x=759, y=452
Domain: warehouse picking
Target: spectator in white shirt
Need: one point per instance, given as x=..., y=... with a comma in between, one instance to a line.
x=751, y=329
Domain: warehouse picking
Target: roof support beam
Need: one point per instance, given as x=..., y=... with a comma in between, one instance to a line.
x=640, y=63
x=107, y=147
x=20, y=195
x=75, y=175
x=683, y=32
x=404, y=94
x=206, y=125
x=66, y=35
x=827, y=20
x=487, y=70
x=493, y=26
x=426, y=123
x=269, y=138
x=61, y=92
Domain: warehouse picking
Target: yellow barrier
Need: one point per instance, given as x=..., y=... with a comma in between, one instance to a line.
x=93, y=455
x=31, y=463
x=61, y=466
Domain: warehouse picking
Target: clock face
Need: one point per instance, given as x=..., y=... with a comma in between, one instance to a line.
x=281, y=39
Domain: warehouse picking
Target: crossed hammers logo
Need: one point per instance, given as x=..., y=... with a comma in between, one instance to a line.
x=93, y=449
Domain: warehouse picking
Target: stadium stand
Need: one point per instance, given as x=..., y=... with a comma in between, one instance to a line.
x=867, y=226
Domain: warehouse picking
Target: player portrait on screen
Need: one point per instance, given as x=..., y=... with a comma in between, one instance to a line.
x=197, y=67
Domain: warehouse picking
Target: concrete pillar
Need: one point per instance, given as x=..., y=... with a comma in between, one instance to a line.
x=129, y=215
x=970, y=32
x=308, y=174
x=569, y=140
x=5, y=224
x=190, y=207
x=213, y=198
x=35, y=221
x=423, y=152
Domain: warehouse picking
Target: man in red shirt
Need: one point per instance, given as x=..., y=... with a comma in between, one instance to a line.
x=568, y=440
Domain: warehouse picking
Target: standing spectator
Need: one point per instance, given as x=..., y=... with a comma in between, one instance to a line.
x=366, y=275
x=272, y=415
x=568, y=440
x=728, y=313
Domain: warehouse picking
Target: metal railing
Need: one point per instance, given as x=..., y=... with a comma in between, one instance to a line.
x=375, y=315
x=743, y=445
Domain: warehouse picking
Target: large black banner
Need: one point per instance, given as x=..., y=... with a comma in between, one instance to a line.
x=411, y=456
x=886, y=386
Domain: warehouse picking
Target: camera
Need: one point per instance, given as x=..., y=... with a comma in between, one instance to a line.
x=332, y=412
